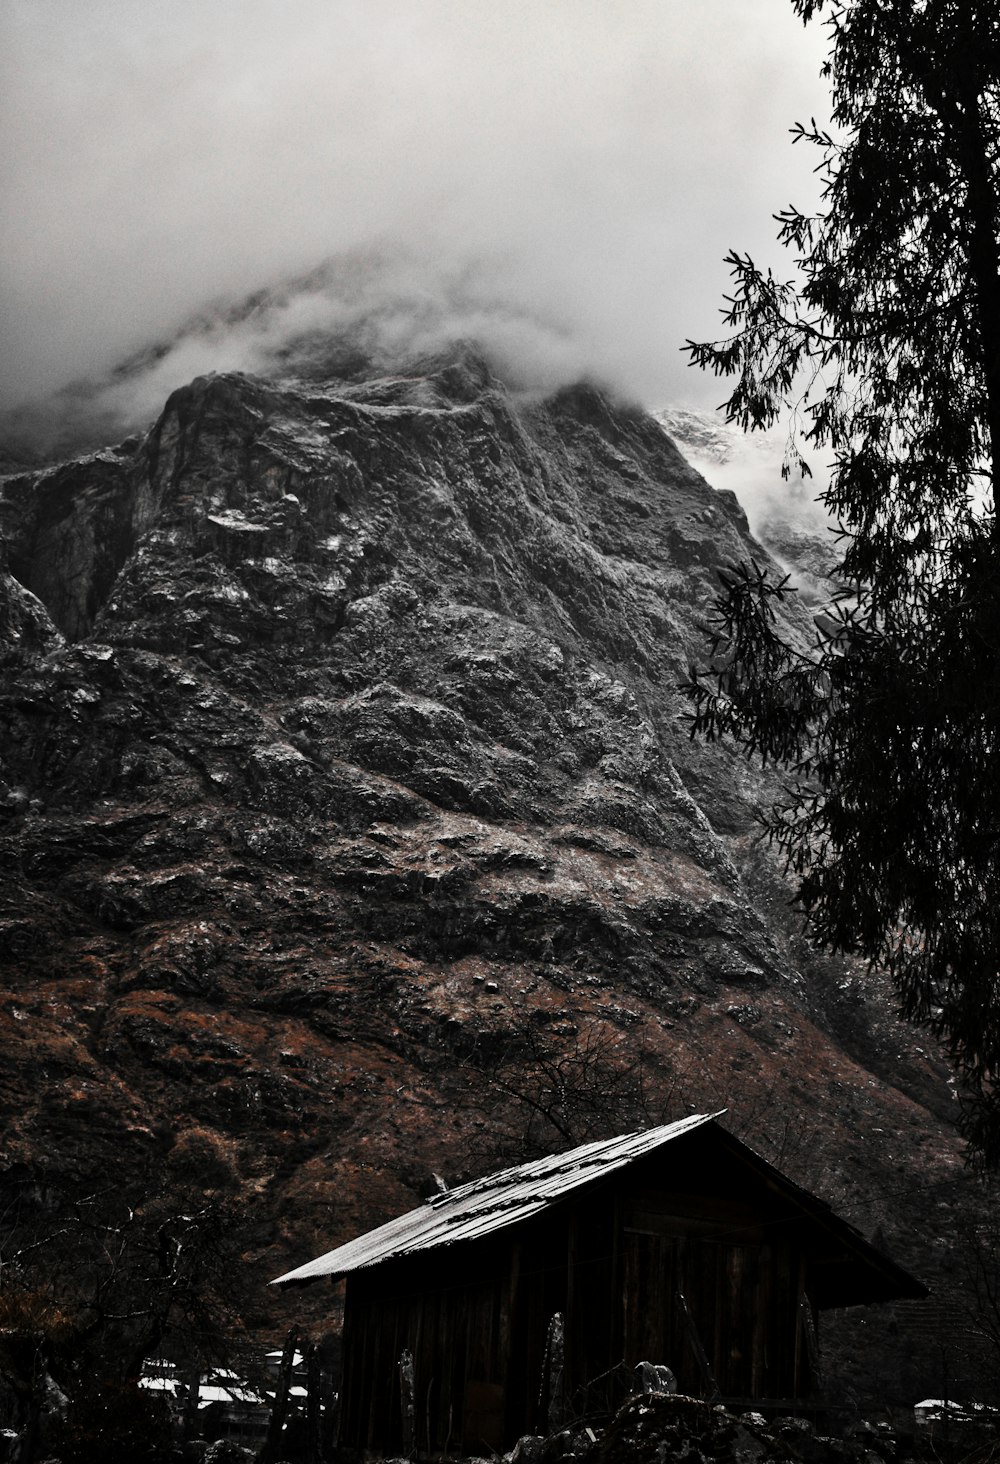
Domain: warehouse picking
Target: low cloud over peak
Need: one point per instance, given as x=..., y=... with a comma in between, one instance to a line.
x=557, y=178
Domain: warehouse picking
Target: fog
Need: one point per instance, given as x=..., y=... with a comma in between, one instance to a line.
x=557, y=178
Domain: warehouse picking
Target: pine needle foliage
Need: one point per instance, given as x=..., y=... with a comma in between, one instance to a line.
x=885, y=353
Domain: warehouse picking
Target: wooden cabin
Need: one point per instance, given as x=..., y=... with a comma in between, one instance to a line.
x=677, y=1245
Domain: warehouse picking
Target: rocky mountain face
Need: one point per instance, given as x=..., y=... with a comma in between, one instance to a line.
x=351, y=828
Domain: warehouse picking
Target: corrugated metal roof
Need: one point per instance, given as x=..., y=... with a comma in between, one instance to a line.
x=493, y=1202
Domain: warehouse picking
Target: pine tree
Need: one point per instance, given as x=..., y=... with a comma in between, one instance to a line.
x=886, y=352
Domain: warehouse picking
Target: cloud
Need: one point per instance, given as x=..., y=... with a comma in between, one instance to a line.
x=559, y=177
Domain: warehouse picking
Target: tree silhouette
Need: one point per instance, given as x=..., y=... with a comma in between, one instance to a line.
x=97, y=1276
x=886, y=353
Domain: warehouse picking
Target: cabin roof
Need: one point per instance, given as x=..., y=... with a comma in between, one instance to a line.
x=496, y=1201
x=493, y=1202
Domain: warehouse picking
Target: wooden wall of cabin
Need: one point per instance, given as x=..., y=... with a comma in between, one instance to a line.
x=474, y=1318
x=635, y=1248
x=595, y=1384
x=614, y=1260
x=739, y=1332
x=454, y=1328
x=713, y=1278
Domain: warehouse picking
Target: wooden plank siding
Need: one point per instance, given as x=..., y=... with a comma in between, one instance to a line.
x=675, y=1245
x=475, y=1318
x=694, y=1253
x=738, y=1263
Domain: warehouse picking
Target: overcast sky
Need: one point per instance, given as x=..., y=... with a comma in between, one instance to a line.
x=566, y=174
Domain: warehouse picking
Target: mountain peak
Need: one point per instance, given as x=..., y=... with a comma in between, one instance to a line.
x=348, y=798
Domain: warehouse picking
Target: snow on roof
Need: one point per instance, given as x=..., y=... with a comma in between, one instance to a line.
x=949, y=1405
x=209, y=1393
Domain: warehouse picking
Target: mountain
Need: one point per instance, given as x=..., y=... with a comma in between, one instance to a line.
x=352, y=828
x=782, y=501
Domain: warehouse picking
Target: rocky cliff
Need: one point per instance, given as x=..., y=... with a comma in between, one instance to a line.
x=350, y=821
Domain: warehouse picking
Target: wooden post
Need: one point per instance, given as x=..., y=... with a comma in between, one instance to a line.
x=331, y=1413
x=189, y=1418
x=271, y=1447
x=812, y=1342
x=407, y=1401
x=711, y=1386
x=551, y=1399
x=571, y=1325
x=314, y=1406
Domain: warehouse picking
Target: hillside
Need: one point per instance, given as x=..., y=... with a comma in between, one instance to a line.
x=352, y=828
